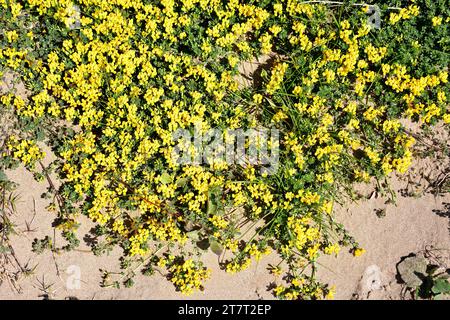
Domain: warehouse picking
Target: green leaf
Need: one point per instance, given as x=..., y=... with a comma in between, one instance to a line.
x=4, y=250
x=165, y=178
x=181, y=182
x=215, y=205
x=441, y=286
x=3, y=177
x=216, y=247
x=212, y=208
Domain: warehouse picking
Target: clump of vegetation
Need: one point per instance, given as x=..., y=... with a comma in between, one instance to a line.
x=424, y=277
x=112, y=81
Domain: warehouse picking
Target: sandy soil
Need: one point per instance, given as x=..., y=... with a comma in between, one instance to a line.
x=412, y=226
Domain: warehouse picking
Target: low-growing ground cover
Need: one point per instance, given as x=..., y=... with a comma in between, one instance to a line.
x=115, y=86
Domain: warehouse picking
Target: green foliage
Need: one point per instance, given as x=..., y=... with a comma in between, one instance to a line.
x=41, y=245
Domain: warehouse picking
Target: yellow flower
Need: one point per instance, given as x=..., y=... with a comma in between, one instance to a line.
x=16, y=9
x=277, y=77
x=279, y=116
x=206, y=47
x=275, y=30
x=447, y=118
x=277, y=271
x=11, y=36
x=277, y=9
x=219, y=222
x=345, y=24
x=331, y=293
x=329, y=75
x=332, y=249
x=257, y=98
x=391, y=126
x=359, y=252
x=372, y=155
x=233, y=60
x=266, y=45
x=233, y=245
x=375, y=54
x=279, y=290
x=437, y=21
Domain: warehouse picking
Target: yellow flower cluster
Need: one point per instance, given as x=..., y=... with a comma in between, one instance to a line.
x=404, y=14
x=25, y=150
x=304, y=233
x=276, y=78
x=301, y=288
x=219, y=222
x=237, y=266
x=255, y=251
x=188, y=276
